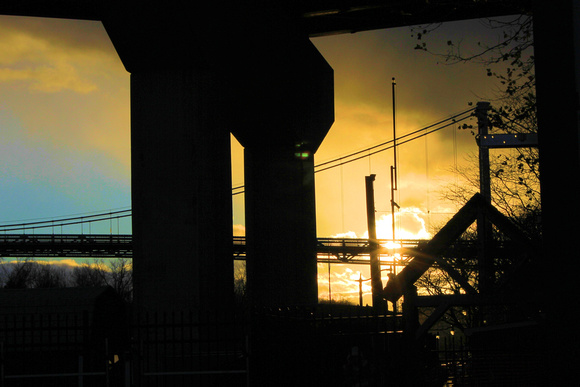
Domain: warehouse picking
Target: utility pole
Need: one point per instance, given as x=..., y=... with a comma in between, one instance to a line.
x=484, y=229
x=360, y=281
x=394, y=166
x=376, y=281
x=394, y=180
x=487, y=141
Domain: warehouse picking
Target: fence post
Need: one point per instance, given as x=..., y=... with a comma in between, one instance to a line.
x=247, y=354
x=127, y=369
x=107, y=362
x=81, y=370
x=1, y=363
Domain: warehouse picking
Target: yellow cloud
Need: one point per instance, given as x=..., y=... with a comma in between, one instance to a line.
x=67, y=87
x=53, y=55
x=49, y=79
x=344, y=285
x=239, y=230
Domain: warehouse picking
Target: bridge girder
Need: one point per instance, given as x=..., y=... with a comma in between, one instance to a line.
x=312, y=17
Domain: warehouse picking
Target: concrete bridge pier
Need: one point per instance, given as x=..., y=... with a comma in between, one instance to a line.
x=280, y=228
x=288, y=108
x=180, y=154
x=189, y=88
x=181, y=184
x=246, y=71
x=291, y=109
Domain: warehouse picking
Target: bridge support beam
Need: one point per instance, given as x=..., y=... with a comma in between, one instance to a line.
x=557, y=35
x=180, y=154
x=294, y=109
x=280, y=228
x=181, y=184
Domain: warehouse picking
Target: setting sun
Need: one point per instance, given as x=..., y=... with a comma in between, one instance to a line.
x=347, y=281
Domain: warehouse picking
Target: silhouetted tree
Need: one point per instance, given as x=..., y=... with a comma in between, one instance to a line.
x=118, y=274
x=515, y=186
x=88, y=276
x=29, y=274
x=48, y=276
x=120, y=278
x=240, y=290
x=510, y=60
x=514, y=172
x=18, y=275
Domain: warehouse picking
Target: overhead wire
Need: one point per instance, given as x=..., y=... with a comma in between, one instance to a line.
x=416, y=133
x=367, y=152
x=452, y=118
x=67, y=221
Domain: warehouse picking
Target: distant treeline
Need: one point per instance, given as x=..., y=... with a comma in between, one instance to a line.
x=116, y=273
x=28, y=273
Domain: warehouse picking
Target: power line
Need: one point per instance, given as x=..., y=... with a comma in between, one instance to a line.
x=67, y=221
x=78, y=215
x=240, y=189
x=389, y=146
x=455, y=118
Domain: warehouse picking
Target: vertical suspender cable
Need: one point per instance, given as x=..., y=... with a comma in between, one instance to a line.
x=455, y=167
x=394, y=166
x=342, y=196
x=394, y=135
x=427, y=183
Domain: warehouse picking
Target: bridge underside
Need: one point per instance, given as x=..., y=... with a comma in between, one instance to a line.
x=313, y=17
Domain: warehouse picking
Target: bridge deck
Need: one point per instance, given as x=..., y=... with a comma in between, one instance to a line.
x=74, y=246
x=333, y=250
x=339, y=250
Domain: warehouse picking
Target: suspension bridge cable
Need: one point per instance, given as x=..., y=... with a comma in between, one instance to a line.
x=65, y=217
x=390, y=146
x=341, y=161
x=453, y=117
x=66, y=221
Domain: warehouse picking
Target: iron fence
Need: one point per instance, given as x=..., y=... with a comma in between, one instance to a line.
x=52, y=350
x=326, y=346
x=157, y=349
x=189, y=348
x=465, y=362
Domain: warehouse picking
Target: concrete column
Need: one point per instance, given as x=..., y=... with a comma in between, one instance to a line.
x=280, y=227
x=292, y=110
x=557, y=59
x=181, y=191
x=180, y=150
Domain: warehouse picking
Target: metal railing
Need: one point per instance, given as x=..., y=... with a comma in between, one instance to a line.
x=54, y=245
x=329, y=250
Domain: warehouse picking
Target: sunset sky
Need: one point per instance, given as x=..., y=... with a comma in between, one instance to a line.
x=65, y=124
